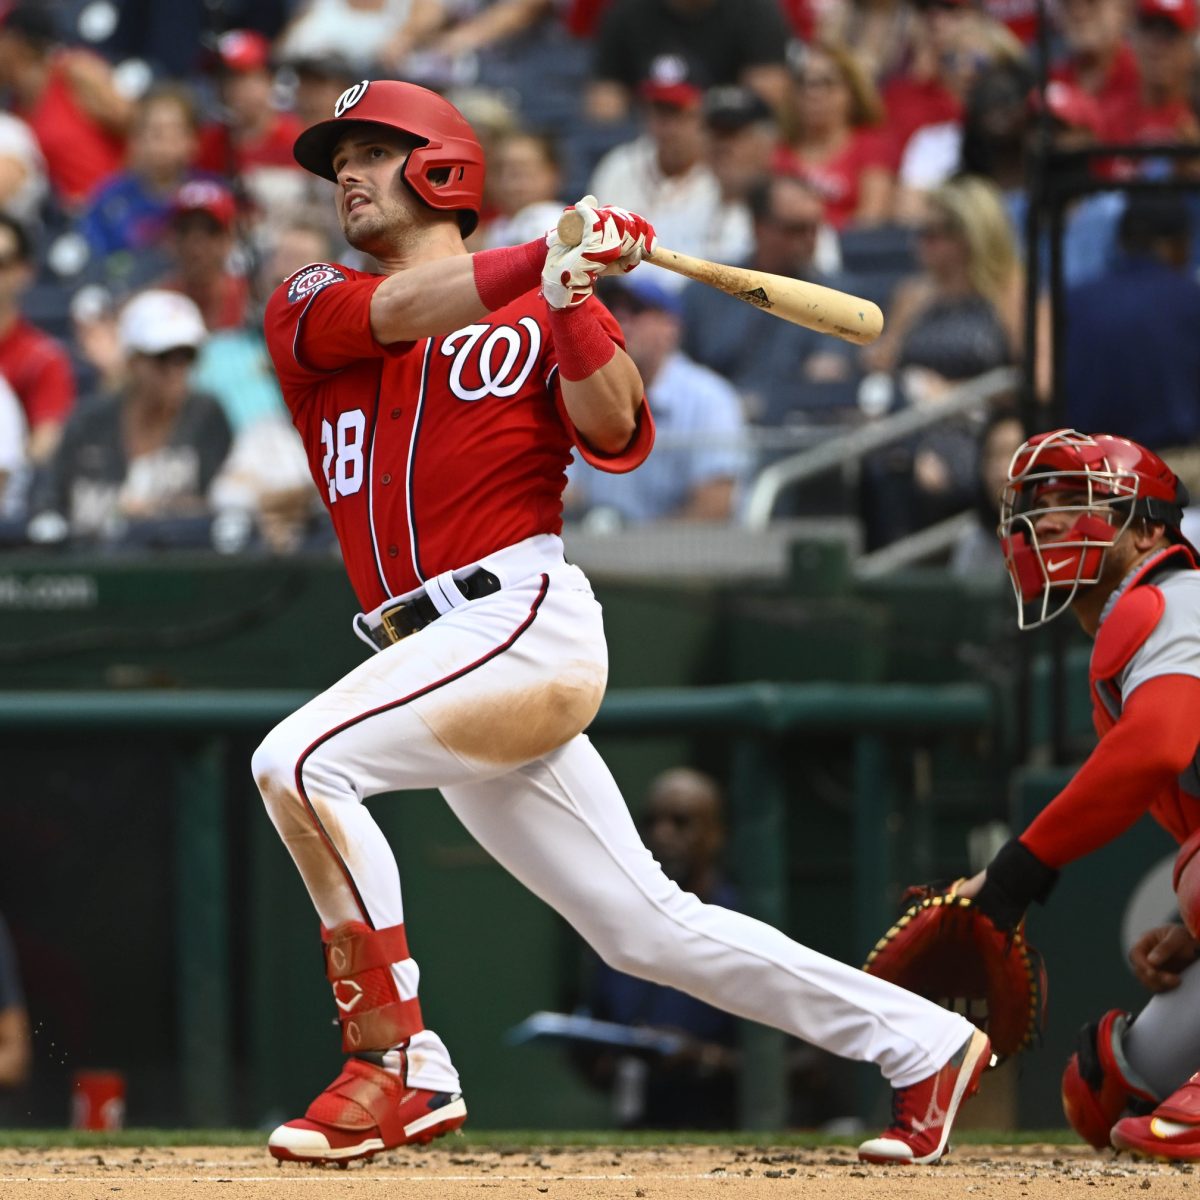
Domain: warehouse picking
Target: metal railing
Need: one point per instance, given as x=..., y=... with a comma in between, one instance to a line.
x=851, y=447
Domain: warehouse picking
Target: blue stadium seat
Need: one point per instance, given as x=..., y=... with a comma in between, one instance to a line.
x=883, y=248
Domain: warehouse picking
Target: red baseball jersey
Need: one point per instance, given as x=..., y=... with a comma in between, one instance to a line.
x=39, y=369
x=428, y=454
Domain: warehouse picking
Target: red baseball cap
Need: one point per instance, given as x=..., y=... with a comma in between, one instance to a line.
x=206, y=196
x=669, y=83
x=243, y=50
x=1181, y=13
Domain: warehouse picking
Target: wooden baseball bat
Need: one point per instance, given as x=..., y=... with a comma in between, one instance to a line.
x=809, y=304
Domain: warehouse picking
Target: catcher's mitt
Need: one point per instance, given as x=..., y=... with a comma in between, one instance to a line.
x=945, y=949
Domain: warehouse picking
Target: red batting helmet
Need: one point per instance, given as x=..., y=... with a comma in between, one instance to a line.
x=1092, y=487
x=450, y=145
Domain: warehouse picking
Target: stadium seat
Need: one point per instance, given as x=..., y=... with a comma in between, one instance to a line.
x=882, y=248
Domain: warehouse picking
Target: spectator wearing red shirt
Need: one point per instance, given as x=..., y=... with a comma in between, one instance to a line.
x=36, y=366
x=953, y=44
x=67, y=97
x=1099, y=58
x=951, y=40
x=1161, y=110
x=201, y=240
x=252, y=144
x=837, y=146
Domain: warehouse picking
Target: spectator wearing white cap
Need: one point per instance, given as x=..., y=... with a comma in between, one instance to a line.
x=145, y=455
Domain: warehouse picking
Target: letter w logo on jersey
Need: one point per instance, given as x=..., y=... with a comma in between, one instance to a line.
x=492, y=360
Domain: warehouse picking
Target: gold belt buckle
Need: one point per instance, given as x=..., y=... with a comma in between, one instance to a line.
x=385, y=620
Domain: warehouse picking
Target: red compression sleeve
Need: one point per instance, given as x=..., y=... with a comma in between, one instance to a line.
x=1137, y=761
x=582, y=343
x=503, y=274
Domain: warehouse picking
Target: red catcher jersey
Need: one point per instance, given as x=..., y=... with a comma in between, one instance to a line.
x=428, y=454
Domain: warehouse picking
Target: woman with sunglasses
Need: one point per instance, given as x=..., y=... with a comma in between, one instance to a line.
x=957, y=317
x=836, y=145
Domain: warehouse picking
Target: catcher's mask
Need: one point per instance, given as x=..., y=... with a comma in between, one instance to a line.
x=1069, y=497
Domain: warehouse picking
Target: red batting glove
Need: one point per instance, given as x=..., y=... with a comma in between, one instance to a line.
x=637, y=237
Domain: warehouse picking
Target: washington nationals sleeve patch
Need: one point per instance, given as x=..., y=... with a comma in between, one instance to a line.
x=309, y=280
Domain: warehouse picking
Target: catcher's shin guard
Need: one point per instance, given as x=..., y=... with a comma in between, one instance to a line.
x=1098, y=1084
x=358, y=963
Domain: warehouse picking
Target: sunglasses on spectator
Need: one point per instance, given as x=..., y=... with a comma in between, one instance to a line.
x=181, y=356
x=935, y=229
x=1162, y=27
x=821, y=82
x=795, y=228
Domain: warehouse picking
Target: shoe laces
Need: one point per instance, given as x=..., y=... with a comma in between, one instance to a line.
x=901, y=1120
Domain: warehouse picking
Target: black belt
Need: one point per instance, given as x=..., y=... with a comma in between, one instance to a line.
x=407, y=616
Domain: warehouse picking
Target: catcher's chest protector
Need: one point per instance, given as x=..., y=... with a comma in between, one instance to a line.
x=1122, y=634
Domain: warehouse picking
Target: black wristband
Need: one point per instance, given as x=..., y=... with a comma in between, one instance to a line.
x=1015, y=878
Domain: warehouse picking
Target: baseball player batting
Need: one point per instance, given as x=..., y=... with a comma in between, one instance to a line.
x=440, y=402
x=1091, y=523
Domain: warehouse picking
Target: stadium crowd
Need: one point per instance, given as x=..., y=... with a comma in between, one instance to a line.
x=149, y=202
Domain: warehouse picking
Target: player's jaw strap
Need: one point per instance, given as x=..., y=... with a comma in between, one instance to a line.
x=358, y=963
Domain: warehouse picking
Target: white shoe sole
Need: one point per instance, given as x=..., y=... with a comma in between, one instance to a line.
x=310, y=1145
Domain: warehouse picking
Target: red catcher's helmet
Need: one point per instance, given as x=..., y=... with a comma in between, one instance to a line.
x=446, y=172
x=1096, y=484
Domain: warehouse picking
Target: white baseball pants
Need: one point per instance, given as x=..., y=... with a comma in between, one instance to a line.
x=487, y=704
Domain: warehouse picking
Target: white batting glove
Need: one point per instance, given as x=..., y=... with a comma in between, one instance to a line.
x=571, y=272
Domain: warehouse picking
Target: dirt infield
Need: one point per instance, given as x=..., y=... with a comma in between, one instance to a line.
x=448, y=1170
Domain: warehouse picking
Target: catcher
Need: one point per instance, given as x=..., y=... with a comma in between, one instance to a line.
x=1092, y=523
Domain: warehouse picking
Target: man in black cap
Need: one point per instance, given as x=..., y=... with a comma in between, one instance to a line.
x=742, y=134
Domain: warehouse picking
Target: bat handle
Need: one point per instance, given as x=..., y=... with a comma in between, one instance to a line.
x=570, y=232
x=570, y=227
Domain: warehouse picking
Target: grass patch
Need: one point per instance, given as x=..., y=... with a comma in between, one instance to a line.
x=517, y=1140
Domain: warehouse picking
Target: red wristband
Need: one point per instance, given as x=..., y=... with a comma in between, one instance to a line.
x=503, y=274
x=583, y=344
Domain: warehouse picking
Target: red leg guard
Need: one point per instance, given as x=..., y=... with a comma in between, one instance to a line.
x=1098, y=1084
x=358, y=963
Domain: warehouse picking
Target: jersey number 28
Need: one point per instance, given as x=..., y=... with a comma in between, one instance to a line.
x=342, y=465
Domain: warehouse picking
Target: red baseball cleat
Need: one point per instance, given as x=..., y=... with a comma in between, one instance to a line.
x=1172, y=1130
x=364, y=1110
x=923, y=1113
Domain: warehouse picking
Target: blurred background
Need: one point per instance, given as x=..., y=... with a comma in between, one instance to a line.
x=817, y=692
